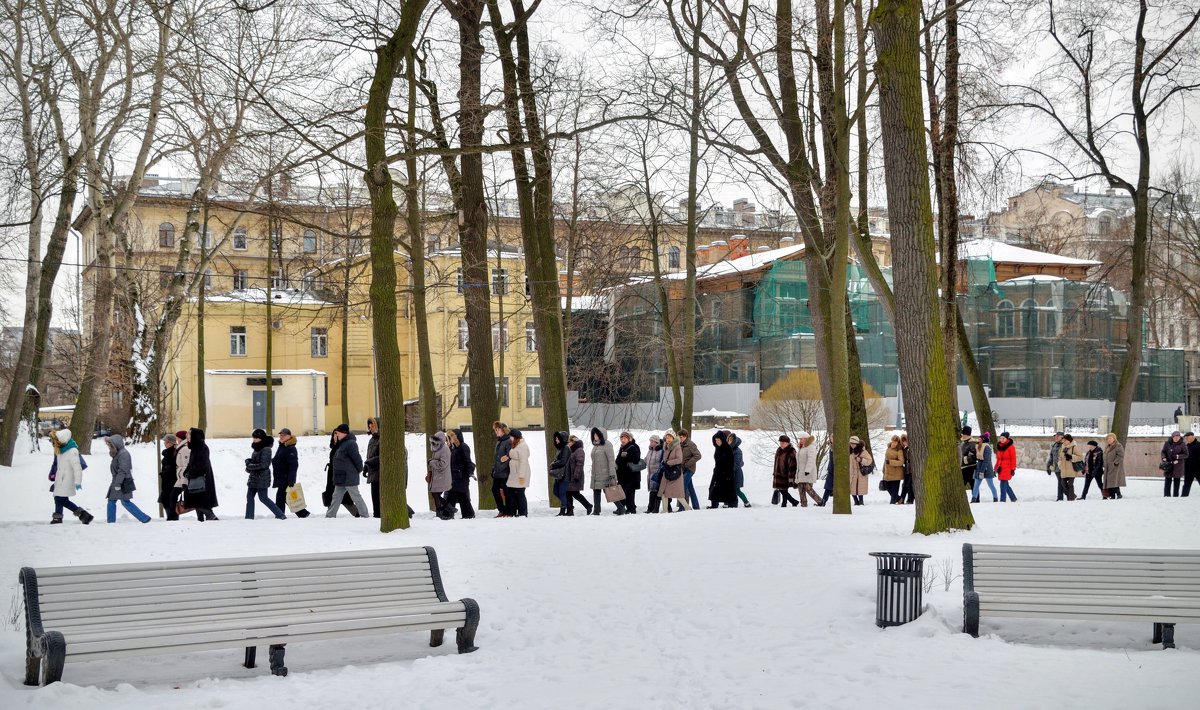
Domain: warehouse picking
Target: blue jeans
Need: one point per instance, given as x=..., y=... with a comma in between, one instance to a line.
x=261, y=493
x=975, y=488
x=1006, y=492
x=61, y=502
x=689, y=489
x=560, y=491
x=128, y=504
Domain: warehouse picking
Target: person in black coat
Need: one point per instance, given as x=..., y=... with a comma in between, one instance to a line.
x=168, y=494
x=1093, y=469
x=462, y=470
x=371, y=463
x=258, y=466
x=284, y=468
x=629, y=471
x=1191, y=467
x=500, y=469
x=345, y=469
x=327, y=495
x=558, y=470
x=201, y=492
x=723, y=488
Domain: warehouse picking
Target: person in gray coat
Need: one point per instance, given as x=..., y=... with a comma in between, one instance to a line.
x=122, y=487
x=258, y=466
x=439, y=477
x=604, y=468
x=576, y=476
x=654, y=460
x=345, y=466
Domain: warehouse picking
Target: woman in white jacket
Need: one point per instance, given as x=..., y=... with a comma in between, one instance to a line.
x=68, y=478
x=518, y=475
x=806, y=468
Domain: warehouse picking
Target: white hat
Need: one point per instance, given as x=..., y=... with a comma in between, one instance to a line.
x=63, y=436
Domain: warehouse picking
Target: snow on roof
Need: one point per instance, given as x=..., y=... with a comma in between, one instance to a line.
x=1010, y=254
x=492, y=253
x=264, y=372
x=1034, y=279
x=741, y=265
x=57, y=408
x=587, y=303
x=714, y=412
x=286, y=297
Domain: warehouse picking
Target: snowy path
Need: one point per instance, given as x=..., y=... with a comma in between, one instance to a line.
x=760, y=608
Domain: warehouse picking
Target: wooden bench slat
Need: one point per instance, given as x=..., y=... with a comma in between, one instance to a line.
x=1089, y=564
x=1162, y=617
x=1047, y=573
x=1085, y=590
x=61, y=585
x=1033, y=549
x=264, y=562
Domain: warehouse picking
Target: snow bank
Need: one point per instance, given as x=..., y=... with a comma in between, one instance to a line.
x=758, y=608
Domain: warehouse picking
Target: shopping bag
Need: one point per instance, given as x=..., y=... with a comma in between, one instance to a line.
x=181, y=508
x=295, y=497
x=614, y=493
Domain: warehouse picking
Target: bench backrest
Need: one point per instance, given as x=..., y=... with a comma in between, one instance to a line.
x=1011, y=569
x=90, y=597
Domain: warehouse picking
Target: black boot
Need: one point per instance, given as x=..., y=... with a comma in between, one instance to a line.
x=276, y=655
x=84, y=516
x=56, y=519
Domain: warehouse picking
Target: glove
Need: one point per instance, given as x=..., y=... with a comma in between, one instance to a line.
x=1048, y=472
x=78, y=486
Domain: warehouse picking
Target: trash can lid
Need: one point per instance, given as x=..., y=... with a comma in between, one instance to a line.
x=910, y=555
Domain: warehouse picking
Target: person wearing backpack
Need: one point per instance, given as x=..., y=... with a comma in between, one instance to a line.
x=968, y=457
x=671, y=485
x=462, y=470
x=629, y=471
x=122, y=486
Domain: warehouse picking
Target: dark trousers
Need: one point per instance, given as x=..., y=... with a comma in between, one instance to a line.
x=1188, y=479
x=170, y=496
x=261, y=494
x=375, y=497
x=630, y=502
x=893, y=489
x=785, y=497
x=573, y=496
x=518, y=504
x=596, y=496
x=1171, y=487
x=1113, y=492
x=652, y=506
x=1067, y=488
x=1098, y=477
x=463, y=500
x=906, y=489
x=498, y=493
x=61, y=502
x=1061, y=487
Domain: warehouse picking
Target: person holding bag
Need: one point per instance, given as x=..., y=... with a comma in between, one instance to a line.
x=1070, y=465
x=439, y=477
x=654, y=465
x=122, y=486
x=345, y=467
x=604, y=472
x=201, y=494
x=671, y=486
x=629, y=471
x=862, y=465
x=576, y=477
x=284, y=469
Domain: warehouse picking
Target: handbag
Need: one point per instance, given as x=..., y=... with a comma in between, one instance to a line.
x=295, y=498
x=181, y=509
x=640, y=465
x=866, y=469
x=1166, y=467
x=196, y=485
x=1078, y=466
x=672, y=473
x=882, y=485
x=614, y=493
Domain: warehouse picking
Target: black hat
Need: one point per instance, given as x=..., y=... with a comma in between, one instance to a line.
x=515, y=433
x=344, y=428
x=259, y=434
x=784, y=439
x=285, y=430
x=966, y=431
x=1092, y=443
x=1005, y=435
x=1059, y=433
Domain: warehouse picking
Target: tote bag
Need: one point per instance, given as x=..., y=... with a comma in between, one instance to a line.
x=295, y=497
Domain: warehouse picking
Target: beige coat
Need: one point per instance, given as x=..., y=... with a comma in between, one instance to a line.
x=893, y=464
x=1066, y=457
x=518, y=466
x=1114, y=465
x=806, y=462
x=672, y=489
x=860, y=484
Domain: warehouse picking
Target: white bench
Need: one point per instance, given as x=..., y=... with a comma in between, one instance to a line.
x=1158, y=586
x=118, y=611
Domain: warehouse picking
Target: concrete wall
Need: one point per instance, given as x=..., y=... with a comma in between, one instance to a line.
x=1142, y=453
x=231, y=404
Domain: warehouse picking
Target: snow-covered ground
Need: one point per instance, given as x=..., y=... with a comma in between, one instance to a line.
x=759, y=608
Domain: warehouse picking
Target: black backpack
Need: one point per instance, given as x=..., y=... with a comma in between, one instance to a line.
x=969, y=457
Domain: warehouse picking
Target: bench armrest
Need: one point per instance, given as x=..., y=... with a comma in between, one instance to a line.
x=39, y=643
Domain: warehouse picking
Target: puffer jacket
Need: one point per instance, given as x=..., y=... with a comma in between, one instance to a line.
x=739, y=475
x=691, y=454
x=259, y=464
x=345, y=462
x=1175, y=453
x=558, y=467
x=122, y=487
x=371, y=463
x=806, y=459
x=440, y=478
x=500, y=468
x=285, y=465
x=575, y=464
x=984, y=468
x=604, y=465
x=519, y=469
x=893, y=464
x=462, y=467
x=1006, y=460
x=654, y=460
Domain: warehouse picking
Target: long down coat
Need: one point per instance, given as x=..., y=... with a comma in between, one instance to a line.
x=604, y=466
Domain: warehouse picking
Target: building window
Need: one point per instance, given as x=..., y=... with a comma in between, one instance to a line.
x=635, y=258
x=166, y=235
x=239, y=239
x=357, y=245
x=310, y=242
x=118, y=398
x=1005, y=321
x=458, y=279
x=502, y=391
x=463, y=335
x=533, y=392
x=530, y=338
x=500, y=336
x=1016, y=383
x=528, y=292
x=239, y=279
x=319, y=341
x=1051, y=319
x=237, y=340
x=499, y=282
x=673, y=258
x=1105, y=226
x=464, y=392
x=1029, y=319
x=276, y=241
x=278, y=280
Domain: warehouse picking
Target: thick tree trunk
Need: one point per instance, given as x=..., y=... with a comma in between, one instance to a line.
x=345, y=367
x=15, y=402
x=272, y=225
x=393, y=457
x=99, y=350
x=941, y=505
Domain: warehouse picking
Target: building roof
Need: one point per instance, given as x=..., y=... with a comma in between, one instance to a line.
x=264, y=372
x=1001, y=252
x=741, y=265
x=282, y=297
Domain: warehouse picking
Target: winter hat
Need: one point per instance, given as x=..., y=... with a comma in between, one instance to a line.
x=986, y=436
x=285, y=430
x=783, y=439
x=1092, y=443
x=1175, y=434
x=259, y=434
x=627, y=435
x=1004, y=435
x=1189, y=433
x=966, y=431
x=856, y=440
x=344, y=428
x=654, y=437
x=1059, y=433
x=181, y=435
x=515, y=433
x=63, y=436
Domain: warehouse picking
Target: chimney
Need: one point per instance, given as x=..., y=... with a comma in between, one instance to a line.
x=739, y=246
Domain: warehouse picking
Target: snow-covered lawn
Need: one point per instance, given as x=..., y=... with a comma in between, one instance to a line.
x=759, y=608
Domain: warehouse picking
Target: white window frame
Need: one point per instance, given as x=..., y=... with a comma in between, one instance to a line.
x=499, y=282
x=464, y=392
x=241, y=279
x=533, y=393
x=318, y=341
x=311, y=238
x=237, y=340
x=464, y=335
x=241, y=237
x=530, y=337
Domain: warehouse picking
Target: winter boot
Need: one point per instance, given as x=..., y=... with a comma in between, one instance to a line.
x=56, y=519
x=84, y=516
x=975, y=499
x=276, y=656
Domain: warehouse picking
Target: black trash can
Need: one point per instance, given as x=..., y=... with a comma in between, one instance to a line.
x=898, y=600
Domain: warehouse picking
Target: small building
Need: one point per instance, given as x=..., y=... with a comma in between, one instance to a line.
x=240, y=398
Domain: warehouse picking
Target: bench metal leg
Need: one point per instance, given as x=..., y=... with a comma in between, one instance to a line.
x=437, y=637
x=971, y=614
x=466, y=634
x=33, y=664
x=251, y=651
x=1156, y=637
x=277, y=667
x=1168, y=635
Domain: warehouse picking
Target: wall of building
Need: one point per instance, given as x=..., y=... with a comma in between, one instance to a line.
x=298, y=402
